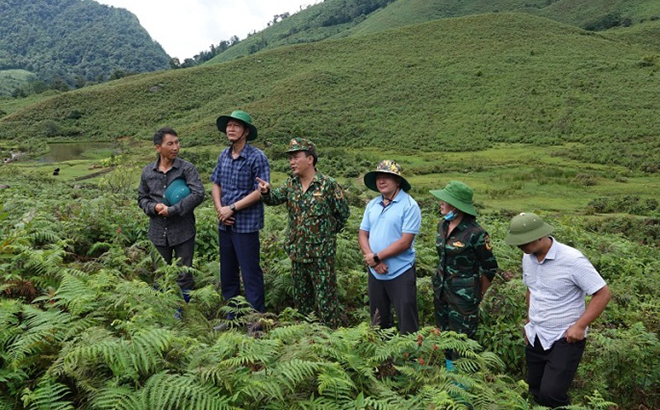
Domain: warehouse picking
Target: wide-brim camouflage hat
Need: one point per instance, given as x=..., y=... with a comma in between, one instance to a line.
x=385, y=167
x=241, y=116
x=458, y=195
x=526, y=228
x=301, y=144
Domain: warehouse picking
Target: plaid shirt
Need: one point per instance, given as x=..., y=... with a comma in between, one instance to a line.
x=179, y=226
x=238, y=178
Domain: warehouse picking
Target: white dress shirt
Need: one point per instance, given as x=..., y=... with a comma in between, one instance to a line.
x=557, y=286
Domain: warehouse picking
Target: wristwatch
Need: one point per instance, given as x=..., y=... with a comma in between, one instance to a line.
x=232, y=207
x=376, y=258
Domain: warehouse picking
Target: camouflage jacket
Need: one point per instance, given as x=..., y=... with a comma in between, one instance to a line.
x=464, y=257
x=315, y=216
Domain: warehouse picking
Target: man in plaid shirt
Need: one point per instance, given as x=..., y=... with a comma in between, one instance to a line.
x=240, y=211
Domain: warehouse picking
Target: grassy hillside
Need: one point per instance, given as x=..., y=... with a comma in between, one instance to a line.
x=318, y=22
x=444, y=85
x=406, y=12
x=645, y=35
x=598, y=14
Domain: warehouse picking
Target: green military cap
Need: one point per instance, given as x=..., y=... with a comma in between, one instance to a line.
x=525, y=228
x=458, y=195
x=385, y=167
x=241, y=116
x=302, y=144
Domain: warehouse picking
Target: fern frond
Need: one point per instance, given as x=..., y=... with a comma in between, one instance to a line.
x=48, y=395
x=296, y=371
x=169, y=391
x=334, y=382
x=118, y=398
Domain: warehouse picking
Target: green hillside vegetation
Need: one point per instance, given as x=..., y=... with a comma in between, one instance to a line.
x=602, y=14
x=74, y=40
x=645, y=35
x=406, y=12
x=535, y=115
x=87, y=308
x=10, y=80
x=414, y=87
x=356, y=17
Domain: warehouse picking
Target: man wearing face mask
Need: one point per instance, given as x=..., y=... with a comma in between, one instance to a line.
x=387, y=237
x=466, y=267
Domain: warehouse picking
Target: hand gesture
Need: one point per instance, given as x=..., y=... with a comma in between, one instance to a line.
x=161, y=209
x=381, y=268
x=264, y=186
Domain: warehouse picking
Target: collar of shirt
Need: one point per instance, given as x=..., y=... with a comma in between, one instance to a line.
x=397, y=198
x=245, y=152
x=465, y=222
x=175, y=164
x=316, y=180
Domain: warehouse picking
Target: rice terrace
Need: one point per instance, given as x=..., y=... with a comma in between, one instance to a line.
x=549, y=107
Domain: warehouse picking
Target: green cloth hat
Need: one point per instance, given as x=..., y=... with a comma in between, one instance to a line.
x=458, y=195
x=302, y=144
x=241, y=116
x=525, y=228
x=385, y=167
x=175, y=192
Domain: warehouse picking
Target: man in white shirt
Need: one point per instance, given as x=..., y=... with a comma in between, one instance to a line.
x=558, y=277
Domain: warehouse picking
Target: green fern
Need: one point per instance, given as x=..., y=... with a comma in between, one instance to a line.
x=47, y=395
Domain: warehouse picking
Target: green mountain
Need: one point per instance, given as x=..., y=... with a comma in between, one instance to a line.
x=74, y=39
x=341, y=18
x=448, y=85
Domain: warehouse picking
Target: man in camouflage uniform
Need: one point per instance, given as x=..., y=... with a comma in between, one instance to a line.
x=317, y=212
x=467, y=265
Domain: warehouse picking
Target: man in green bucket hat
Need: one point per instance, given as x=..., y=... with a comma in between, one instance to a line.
x=466, y=263
x=387, y=239
x=558, y=277
x=240, y=212
x=318, y=210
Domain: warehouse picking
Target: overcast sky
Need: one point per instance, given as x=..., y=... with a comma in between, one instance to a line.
x=186, y=27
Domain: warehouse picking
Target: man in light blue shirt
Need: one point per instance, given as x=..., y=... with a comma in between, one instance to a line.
x=386, y=238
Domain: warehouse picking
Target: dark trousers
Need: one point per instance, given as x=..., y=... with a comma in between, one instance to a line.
x=241, y=251
x=550, y=372
x=185, y=252
x=400, y=292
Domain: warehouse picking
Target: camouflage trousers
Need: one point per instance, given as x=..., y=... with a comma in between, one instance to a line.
x=315, y=289
x=456, y=312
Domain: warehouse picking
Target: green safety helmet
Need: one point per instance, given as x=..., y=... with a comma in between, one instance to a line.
x=175, y=192
x=526, y=228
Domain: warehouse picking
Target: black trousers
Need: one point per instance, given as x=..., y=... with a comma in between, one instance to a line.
x=184, y=251
x=550, y=372
x=400, y=292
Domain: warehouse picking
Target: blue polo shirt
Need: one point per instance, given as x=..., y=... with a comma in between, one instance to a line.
x=386, y=224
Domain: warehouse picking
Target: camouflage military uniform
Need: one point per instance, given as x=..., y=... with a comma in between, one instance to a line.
x=464, y=257
x=315, y=217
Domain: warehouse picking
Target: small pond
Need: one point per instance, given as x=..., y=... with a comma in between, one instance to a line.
x=67, y=151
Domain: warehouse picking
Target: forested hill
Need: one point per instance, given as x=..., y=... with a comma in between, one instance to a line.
x=342, y=18
x=74, y=39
